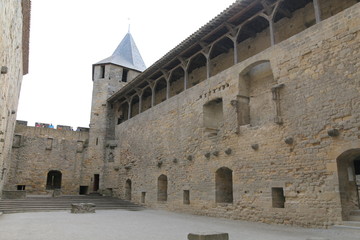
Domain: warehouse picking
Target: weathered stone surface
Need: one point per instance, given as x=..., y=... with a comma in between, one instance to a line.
x=208, y=236
x=13, y=194
x=11, y=64
x=308, y=82
x=34, y=156
x=82, y=208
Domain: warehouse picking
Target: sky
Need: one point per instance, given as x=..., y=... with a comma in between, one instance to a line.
x=68, y=36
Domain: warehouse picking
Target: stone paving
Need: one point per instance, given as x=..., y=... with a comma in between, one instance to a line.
x=148, y=225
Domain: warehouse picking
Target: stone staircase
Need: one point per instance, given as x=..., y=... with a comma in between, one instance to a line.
x=41, y=203
x=353, y=222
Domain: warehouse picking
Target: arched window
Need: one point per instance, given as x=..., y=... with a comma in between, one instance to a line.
x=224, y=185
x=162, y=188
x=53, y=180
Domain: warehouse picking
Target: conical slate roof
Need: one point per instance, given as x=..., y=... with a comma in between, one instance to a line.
x=126, y=55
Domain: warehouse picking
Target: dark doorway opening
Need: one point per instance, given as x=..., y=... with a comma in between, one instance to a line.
x=21, y=187
x=162, y=188
x=96, y=182
x=143, y=194
x=53, y=180
x=186, y=197
x=348, y=164
x=224, y=185
x=83, y=190
x=357, y=166
x=128, y=190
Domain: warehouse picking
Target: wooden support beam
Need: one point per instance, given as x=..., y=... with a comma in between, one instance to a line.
x=139, y=93
x=317, y=11
x=185, y=66
x=129, y=108
x=152, y=87
x=272, y=35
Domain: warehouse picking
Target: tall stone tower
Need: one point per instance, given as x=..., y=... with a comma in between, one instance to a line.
x=109, y=76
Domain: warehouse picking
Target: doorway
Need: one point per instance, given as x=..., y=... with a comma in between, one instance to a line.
x=53, y=180
x=96, y=182
x=348, y=165
x=83, y=190
x=128, y=190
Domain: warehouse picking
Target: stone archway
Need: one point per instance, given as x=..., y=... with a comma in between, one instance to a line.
x=347, y=166
x=53, y=180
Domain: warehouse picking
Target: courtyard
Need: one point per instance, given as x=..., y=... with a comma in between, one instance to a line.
x=148, y=225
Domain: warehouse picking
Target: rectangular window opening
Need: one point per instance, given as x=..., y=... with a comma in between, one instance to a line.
x=102, y=71
x=213, y=116
x=20, y=187
x=278, y=197
x=124, y=75
x=143, y=194
x=186, y=197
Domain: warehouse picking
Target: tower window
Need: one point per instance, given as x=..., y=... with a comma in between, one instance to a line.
x=124, y=75
x=102, y=71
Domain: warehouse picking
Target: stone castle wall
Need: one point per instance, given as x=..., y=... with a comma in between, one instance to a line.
x=36, y=151
x=319, y=70
x=11, y=64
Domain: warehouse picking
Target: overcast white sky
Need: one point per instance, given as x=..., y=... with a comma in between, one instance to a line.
x=68, y=36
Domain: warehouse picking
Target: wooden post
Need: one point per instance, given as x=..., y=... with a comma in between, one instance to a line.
x=317, y=11
x=129, y=111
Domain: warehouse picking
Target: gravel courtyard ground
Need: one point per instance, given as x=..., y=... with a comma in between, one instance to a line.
x=148, y=225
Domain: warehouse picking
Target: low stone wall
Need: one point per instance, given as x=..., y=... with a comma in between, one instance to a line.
x=14, y=194
x=83, y=208
x=208, y=236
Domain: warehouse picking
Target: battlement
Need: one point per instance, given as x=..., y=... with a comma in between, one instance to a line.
x=58, y=127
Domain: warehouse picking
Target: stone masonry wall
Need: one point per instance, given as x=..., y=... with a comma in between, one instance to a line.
x=10, y=77
x=100, y=126
x=319, y=68
x=36, y=151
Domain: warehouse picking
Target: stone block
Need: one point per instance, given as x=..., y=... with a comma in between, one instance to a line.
x=83, y=208
x=56, y=193
x=208, y=236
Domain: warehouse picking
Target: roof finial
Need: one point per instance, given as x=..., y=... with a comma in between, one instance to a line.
x=129, y=25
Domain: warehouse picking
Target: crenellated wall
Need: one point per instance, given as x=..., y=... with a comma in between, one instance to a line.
x=37, y=151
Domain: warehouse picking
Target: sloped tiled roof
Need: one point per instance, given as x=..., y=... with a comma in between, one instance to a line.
x=237, y=7
x=126, y=55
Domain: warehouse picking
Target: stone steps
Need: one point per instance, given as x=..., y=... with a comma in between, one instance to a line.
x=36, y=204
x=354, y=215
x=355, y=225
